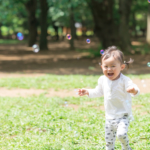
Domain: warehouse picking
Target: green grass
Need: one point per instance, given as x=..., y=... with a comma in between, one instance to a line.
x=57, y=82
x=42, y=123
x=10, y=41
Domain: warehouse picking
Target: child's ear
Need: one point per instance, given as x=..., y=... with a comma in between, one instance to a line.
x=123, y=66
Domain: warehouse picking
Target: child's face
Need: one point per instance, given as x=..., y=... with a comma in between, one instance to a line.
x=111, y=68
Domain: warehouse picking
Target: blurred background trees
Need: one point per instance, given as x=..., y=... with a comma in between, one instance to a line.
x=114, y=22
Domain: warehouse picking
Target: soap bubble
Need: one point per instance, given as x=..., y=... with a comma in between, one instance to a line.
x=144, y=85
x=20, y=36
x=68, y=37
x=148, y=64
x=88, y=41
x=70, y=128
x=102, y=51
x=66, y=104
x=35, y=48
x=75, y=132
x=40, y=130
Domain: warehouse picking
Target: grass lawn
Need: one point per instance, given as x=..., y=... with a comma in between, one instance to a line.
x=42, y=123
x=10, y=41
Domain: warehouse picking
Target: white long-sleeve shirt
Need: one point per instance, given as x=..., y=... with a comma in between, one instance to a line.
x=117, y=100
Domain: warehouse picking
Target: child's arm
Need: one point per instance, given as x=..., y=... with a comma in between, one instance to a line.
x=91, y=93
x=132, y=88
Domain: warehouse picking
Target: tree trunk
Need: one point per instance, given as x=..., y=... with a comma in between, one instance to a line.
x=72, y=22
x=43, y=24
x=148, y=25
x=84, y=29
x=56, y=32
x=134, y=23
x=32, y=21
x=0, y=31
x=105, y=27
x=124, y=10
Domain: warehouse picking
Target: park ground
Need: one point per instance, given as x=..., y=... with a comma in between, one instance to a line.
x=18, y=60
x=39, y=105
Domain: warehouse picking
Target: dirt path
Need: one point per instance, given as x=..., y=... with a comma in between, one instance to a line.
x=20, y=59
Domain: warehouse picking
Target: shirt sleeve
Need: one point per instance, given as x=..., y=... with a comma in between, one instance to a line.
x=129, y=83
x=98, y=91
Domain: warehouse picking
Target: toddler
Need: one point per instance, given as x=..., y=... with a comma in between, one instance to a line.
x=117, y=90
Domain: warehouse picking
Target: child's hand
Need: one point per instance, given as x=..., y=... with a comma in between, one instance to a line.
x=131, y=90
x=82, y=92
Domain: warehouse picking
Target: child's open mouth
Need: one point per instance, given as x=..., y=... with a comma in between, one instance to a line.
x=110, y=74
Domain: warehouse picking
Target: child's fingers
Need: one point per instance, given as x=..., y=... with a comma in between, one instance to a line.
x=130, y=89
x=83, y=90
x=79, y=90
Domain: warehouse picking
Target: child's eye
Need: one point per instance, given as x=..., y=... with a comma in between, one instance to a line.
x=113, y=66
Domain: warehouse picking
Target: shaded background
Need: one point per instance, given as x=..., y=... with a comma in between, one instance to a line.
x=125, y=24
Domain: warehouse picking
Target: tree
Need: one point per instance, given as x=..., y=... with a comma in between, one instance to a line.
x=148, y=25
x=72, y=25
x=19, y=17
x=124, y=10
x=32, y=21
x=67, y=12
x=138, y=16
x=105, y=27
x=11, y=17
x=108, y=20
x=43, y=24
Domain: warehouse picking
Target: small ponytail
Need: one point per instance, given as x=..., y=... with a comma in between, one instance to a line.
x=129, y=62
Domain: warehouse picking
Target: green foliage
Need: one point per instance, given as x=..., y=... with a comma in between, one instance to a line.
x=59, y=12
x=139, y=9
x=139, y=6
x=13, y=13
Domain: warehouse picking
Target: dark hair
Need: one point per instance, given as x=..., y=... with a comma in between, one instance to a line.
x=111, y=51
